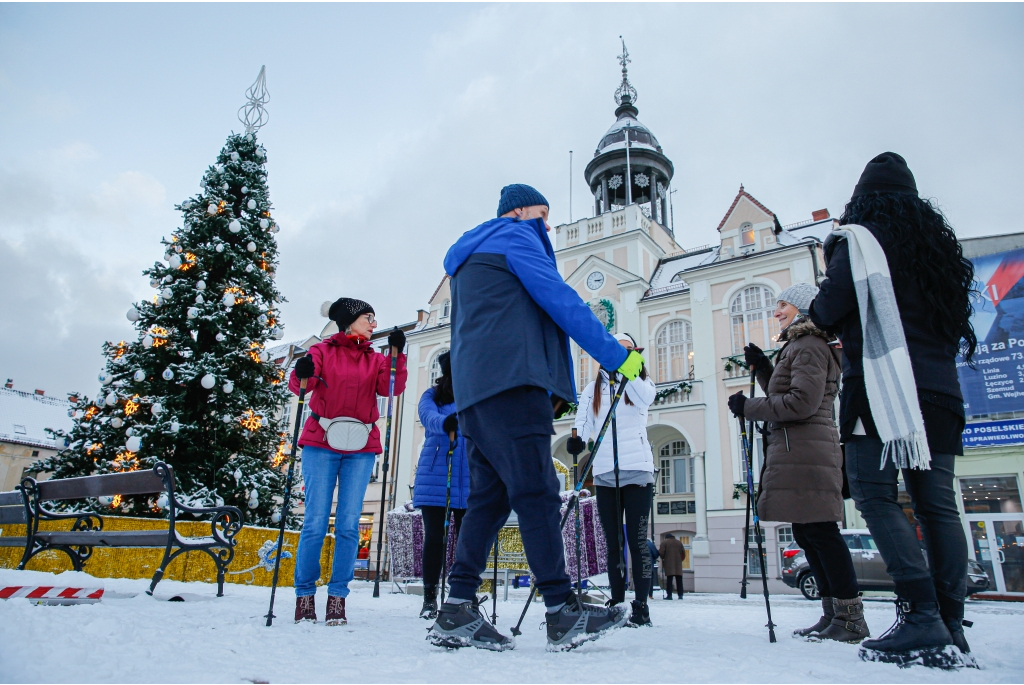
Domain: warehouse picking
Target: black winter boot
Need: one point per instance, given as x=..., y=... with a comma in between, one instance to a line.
x=848, y=624
x=827, y=612
x=952, y=611
x=464, y=625
x=429, y=610
x=919, y=636
x=576, y=623
x=641, y=615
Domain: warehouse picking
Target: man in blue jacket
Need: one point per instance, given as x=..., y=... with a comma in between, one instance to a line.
x=512, y=320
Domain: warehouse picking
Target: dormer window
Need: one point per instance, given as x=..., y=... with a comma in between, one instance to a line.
x=446, y=309
x=746, y=234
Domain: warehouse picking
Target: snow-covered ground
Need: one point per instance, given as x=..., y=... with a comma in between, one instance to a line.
x=705, y=638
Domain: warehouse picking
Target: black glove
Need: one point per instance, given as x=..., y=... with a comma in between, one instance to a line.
x=755, y=358
x=304, y=368
x=396, y=339
x=451, y=423
x=736, y=403
x=575, y=445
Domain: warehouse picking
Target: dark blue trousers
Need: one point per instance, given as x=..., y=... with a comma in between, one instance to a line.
x=508, y=445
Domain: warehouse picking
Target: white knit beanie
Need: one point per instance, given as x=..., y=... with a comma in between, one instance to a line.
x=799, y=295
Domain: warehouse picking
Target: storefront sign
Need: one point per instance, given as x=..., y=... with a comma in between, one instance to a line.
x=996, y=383
x=992, y=433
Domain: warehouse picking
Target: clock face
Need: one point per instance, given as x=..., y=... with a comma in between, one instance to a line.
x=595, y=280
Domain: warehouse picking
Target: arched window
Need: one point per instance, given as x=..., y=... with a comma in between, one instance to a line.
x=747, y=234
x=674, y=351
x=585, y=369
x=435, y=366
x=752, y=320
x=676, y=473
x=446, y=309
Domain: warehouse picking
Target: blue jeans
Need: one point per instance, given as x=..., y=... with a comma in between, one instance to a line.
x=322, y=469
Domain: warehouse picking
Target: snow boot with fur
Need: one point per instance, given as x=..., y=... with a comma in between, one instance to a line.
x=576, y=623
x=429, y=609
x=464, y=625
x=827, y=612
x=919, y=637
x=847, y=624
x=305, y=608
x=335, y=611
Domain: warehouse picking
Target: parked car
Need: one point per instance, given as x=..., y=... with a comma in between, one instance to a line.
x=867, y=563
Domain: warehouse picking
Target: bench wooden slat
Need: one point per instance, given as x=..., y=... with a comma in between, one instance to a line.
x=131, y=483
x=9, y=499
x=13, y=515
x=106, y=538
x=13, y=542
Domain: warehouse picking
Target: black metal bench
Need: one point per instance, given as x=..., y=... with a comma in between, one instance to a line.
x=87, y=530
x=13, y=511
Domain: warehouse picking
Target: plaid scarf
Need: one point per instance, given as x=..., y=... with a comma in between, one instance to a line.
x=888, y=375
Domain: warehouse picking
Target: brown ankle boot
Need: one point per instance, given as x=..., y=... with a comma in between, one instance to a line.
x=828, y=611
x=305, y=608
x=336, y=611
x=848, y=624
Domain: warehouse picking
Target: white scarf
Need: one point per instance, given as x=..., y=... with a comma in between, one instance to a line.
x=888, y=374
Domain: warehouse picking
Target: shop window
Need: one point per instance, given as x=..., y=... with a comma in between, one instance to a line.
x=990, y=495
x=752, y=312
x=674, y=351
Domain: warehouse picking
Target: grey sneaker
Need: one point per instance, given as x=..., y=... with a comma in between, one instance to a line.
x=576, y=623
x=464, y=625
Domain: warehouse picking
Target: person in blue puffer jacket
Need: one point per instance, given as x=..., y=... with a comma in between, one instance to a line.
x=430, y=492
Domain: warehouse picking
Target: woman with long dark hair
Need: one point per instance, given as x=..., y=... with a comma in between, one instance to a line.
x=892, y=419
x=430, y=491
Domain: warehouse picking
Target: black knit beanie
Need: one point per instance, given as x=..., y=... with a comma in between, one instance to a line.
x=886, y=173
x=445, y=362
x=345, y=311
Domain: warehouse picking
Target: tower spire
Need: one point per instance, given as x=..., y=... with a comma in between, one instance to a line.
x=625, y=94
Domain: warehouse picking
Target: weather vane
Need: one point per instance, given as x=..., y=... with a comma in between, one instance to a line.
x=255, y=116
x=625, y=91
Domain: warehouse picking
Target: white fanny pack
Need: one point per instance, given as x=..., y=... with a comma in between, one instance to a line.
x=343, y=433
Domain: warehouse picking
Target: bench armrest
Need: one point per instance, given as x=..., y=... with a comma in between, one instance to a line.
x=229, y=518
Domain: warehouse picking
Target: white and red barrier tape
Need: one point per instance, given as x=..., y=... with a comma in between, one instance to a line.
x=49, y=592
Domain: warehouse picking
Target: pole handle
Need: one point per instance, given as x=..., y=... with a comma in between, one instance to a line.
x=302, y=383
x=451, y=436
x=574, y=433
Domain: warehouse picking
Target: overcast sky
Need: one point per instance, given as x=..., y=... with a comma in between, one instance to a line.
x=393, y=127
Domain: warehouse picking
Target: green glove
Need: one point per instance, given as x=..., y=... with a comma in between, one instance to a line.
x=631, y=367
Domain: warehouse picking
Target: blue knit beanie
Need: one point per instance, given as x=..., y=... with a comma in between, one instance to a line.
x=519, y=195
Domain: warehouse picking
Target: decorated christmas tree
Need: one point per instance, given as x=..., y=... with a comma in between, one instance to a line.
x=197, y=389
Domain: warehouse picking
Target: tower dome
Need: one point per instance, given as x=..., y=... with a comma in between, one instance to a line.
x=637, y=172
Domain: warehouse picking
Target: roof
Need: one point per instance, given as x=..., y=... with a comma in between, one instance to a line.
x=24, y=418
x=819, y=230
x=639, y=135
x=438, y=288
x=673, y=265
x=280, y=352
x=735, y=202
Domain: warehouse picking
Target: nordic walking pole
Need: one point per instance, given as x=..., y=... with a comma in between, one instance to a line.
x=384, y=481
x=576, y=490
x=494, y=586
x=447, y=510
x=757, y=529
x=288, y=486
x=618, y=503
x=750, y=497
x=579, y=562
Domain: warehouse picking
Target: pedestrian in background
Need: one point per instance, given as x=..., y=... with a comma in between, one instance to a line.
x=672, y=554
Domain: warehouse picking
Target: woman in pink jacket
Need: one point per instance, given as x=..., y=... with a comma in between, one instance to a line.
x=340, y=443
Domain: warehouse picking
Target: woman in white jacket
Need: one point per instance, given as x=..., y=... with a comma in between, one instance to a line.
x=635, y=478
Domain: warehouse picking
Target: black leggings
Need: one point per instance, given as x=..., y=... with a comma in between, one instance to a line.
x=433, y=541
x=829, y=558
x=636, y=502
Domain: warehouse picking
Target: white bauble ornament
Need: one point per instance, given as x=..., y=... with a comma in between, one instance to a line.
x=220, y=247
x=275, y=228
x=168, y=279
x=261, y=153
x=237, y=474
x=147, y=341
x=275, y=517
x=167, y=293
x=139, y=376
x=263, y=319
x=208, y=381
x=224, y=187
x=105, y=500
x=235, y=226
x=167, y=256
x=254, y=501
x=133, y=314
x=158, y=302
x=111, y=400
x=219, y=337
x=134, y=444
x=167, y=375
x=264, y=224
x=211, y=209
x=192, y=312
x=201, y=285
x=174, y=262
x=157, y=409
x=245, y=189
x=154, y=283
x=116, y=422
x=105, y=378
x=228, y=387
x=249, y=268
x=229, y=300
x=251, y=204
x=199, y=299
x=177, y=248
x=175, y=426
x=219, y=167
x=187, y=204
x=227, y=418
x=235, y=157
x=72, y=413
x=130, y=432
x=264, y=356
x=161, y=501
x=251, y=247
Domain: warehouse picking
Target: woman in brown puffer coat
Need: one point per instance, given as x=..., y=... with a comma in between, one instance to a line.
x=802, y=477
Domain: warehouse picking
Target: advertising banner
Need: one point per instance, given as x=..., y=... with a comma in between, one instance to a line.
x=996, y=384
x=993, y=433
